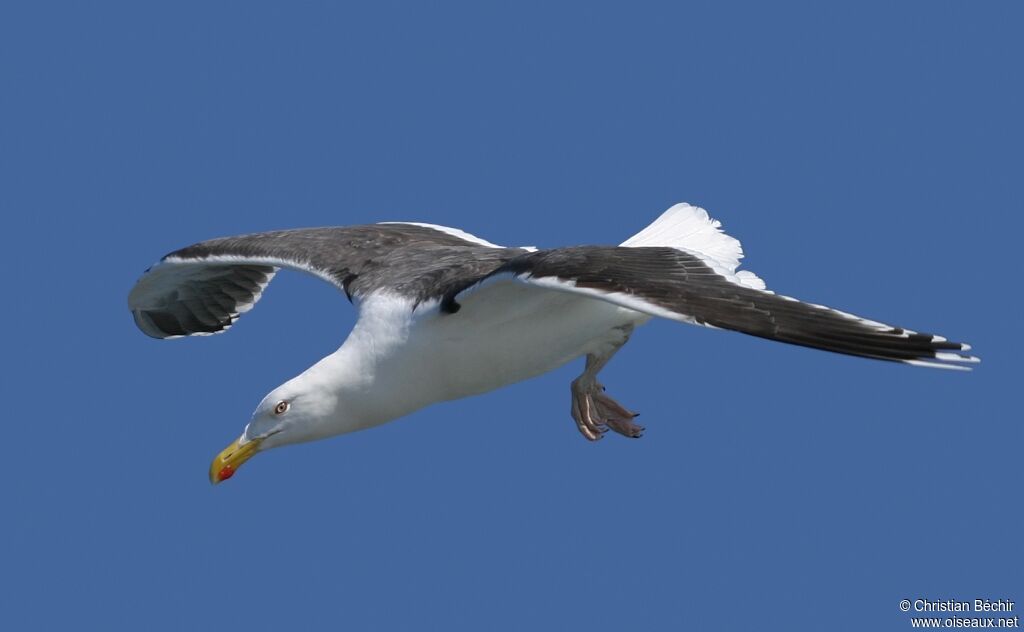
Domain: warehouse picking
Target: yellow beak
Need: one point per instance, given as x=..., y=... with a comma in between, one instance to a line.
x=231, y=458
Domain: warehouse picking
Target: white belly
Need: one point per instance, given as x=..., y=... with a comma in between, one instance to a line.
x=503, y=334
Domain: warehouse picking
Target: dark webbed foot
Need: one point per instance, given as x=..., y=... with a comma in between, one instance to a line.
x=617, y=417
x=596, y=413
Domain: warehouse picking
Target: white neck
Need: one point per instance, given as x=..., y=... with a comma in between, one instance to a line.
x=367, y=375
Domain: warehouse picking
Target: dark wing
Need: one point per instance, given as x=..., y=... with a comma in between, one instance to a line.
x=204, y=288
x=674, y=284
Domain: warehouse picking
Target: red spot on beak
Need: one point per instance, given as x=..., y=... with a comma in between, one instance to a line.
x=225, y=473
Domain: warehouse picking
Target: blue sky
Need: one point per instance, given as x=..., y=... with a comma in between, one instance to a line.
x=868, y=157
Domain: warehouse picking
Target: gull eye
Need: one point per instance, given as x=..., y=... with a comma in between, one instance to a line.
x=281, y=407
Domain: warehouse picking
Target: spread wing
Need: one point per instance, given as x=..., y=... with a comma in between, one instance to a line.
x=684, y=286
x=204, y=288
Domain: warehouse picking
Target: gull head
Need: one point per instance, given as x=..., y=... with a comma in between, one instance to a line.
x=298, y=410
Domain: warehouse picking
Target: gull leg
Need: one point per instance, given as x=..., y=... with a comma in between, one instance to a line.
x=594, y=411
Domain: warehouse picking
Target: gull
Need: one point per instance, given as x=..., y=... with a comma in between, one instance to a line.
x=443, y=314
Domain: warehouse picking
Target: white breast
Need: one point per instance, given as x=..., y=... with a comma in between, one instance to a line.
x=504, y=333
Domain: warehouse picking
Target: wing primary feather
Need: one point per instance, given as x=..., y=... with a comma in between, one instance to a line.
x=672, y=283
x=203, y=288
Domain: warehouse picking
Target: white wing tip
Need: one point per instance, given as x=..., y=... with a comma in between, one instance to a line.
x=937, y=365
x=956, y=357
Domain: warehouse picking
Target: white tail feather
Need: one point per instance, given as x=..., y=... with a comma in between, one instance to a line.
x=689, y=228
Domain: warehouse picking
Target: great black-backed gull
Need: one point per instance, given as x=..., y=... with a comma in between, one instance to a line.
x=445, y=315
